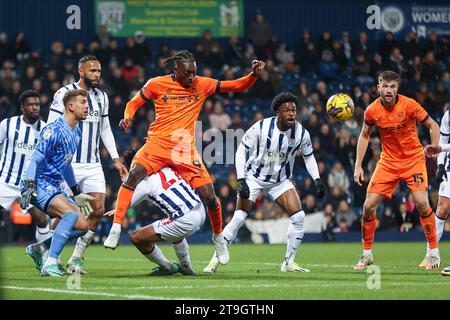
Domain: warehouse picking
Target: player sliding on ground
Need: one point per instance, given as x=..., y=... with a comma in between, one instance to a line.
x=186, y=213
x=272, y=144
x=402, y=158
x=178, y=99
x=41, y=183
x=443, y=206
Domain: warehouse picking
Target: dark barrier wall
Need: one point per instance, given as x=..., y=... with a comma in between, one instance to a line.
x=44, y=21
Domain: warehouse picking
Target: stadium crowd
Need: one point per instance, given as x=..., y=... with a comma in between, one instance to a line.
x=317, y=68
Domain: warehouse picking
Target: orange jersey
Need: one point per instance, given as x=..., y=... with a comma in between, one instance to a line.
x=397, y=128
x=177, y=108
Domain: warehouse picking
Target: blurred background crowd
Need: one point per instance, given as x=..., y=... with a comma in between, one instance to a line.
x=317, y=67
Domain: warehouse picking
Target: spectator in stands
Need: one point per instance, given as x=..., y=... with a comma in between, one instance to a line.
x=274, y=75
x=103, y=37
x=442, y=96
x=218, y=119
x=20, y=48
x=330, y=222
x=328, y=68
x=4, y=47
x=387, y=220
x=362, y=70
x=396, y=62
x=56, y=59
x=346, y=45
x=430, y=69
x=325, y=42
x=309, y=204
x=387, y=45
x=338, y=178
x=335, y=196
x=307, y=187
x=303, y=47
x=234, y=54
x=362, y=46
x=404, y=219
x=263, y=88
x=411, y=46
x=259, y=33
x=339, y=56
x=7, y=76
x=344, y=211
x=434, y=44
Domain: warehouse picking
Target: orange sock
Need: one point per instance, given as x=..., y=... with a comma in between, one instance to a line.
x=429, y=228
x=368, y=231
x=215, y=217
x=123, y=203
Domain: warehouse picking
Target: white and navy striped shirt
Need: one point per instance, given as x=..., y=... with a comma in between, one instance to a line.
x=444, y=139
x=272, y=152
x=19, y=140
x=95, y=126
x=167, y=190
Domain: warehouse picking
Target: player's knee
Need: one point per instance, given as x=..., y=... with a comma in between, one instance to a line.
x=442, y=211
x=98, y=209
x=82, y=224
x=422, y=207
x=136, y=238
x=369, y=209
x=40, y=220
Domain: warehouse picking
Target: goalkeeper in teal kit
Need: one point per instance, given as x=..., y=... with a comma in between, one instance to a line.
x=41, y=183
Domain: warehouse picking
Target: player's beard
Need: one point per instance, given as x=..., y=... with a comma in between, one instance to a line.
x=88, y=82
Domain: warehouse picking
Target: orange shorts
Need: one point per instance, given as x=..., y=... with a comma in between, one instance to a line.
x=387, y=176
x=188, y=163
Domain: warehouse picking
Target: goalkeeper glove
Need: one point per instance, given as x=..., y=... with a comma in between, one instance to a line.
x=242, y=188
x=320, y=188
x=440, y=172
x=28, y=190
x=82, y=200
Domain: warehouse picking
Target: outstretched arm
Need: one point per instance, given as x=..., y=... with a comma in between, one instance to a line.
x=245, y=82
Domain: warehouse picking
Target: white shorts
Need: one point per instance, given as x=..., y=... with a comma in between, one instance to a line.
x=180, y=228
x=274, y=189
x=89, y=176
x=444, y=188
x=9, y=194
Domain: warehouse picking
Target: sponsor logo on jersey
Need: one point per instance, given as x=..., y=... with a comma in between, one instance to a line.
x=93, y=116
x=275, y=156
x=24, y=148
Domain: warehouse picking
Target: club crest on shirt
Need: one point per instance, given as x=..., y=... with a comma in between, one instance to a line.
x=291, y=143
x=47, y=134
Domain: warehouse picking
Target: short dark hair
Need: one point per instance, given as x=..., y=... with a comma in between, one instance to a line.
x=71, y=94
x=28, y=94
x=128, y=157
x=388, y=75
x=282, y=98
x=85, y=59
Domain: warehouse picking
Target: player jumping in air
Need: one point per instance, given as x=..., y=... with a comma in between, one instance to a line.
x=186, y=213
x=41, y=183
x=272, y=144
x=178, y=99
x=402, y=158
x=19, y=136
x=86, y=161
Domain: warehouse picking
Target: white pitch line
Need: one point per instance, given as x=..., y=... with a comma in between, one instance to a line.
x=103, y=294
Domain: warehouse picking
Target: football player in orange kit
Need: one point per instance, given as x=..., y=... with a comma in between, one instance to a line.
x=402, y=158
x=178, y=99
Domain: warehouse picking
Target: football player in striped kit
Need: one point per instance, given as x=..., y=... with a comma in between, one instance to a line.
x=185, y=214
x=86, y=161
x=19, y=135
x=272, y=144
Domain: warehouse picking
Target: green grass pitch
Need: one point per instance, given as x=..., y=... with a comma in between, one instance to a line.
x=253, y=273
